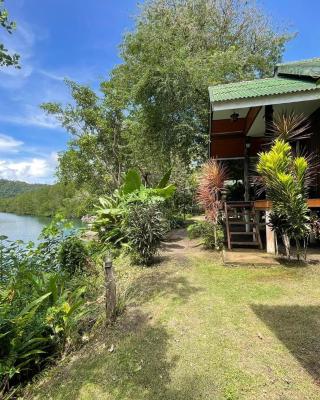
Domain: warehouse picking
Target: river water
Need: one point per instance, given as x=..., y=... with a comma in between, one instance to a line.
x=24, y=227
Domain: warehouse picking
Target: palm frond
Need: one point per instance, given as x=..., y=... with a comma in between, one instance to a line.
x=290, y=127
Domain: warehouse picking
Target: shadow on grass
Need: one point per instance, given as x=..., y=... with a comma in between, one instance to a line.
x=161, y=283
x=171, y=246
x=298, y=328
x=292, y=263
x=140, y=366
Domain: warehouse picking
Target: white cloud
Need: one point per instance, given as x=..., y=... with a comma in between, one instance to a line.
x=9, y=144
x=51, y=75
x=34, y=117
x=82, y=74
x=33, y=170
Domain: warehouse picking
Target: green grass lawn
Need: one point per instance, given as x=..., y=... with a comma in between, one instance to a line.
x=198, y=330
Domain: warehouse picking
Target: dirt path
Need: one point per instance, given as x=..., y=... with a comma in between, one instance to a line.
x=178, y=246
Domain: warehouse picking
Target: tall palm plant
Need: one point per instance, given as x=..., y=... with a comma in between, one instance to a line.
x=290, y=127
x=286, y=177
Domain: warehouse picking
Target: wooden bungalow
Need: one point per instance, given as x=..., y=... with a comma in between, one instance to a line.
x=240, y=116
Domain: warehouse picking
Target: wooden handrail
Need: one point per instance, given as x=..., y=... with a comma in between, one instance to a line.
x=267, y=204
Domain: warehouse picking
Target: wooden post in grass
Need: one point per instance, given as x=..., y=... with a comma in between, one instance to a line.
x=111, y=292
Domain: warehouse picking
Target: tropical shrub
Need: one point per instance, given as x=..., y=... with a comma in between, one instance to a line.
x=23, y=341
x=286, y=178
x=115, y=211
x=110, y=213
x=38, y=319
x=13, y=254
x=211, y=182
x=184, y=201
x=195, y=230
x=43, y=313
x=212, y=235
x=175, y=220
x=46, y=254
x=145, y=228
x=73, y=255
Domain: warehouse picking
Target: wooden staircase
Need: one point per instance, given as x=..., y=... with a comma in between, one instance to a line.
x=242, y=221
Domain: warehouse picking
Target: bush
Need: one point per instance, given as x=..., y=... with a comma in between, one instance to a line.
x=145, y=228
x=175, y=220
x=212, y=235
x=73, y=255
x=195, y=230
x=38, y=320
x=42, y=311
x=113, y=210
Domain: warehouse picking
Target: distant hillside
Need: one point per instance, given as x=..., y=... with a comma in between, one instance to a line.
x=48, y=200
x=13, y=188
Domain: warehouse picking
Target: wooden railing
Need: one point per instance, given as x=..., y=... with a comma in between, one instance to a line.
x=267, y=204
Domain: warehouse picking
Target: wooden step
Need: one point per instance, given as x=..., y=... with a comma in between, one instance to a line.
x=243, y=233
x=241, y=223
x=246, y=243
x=241, y=214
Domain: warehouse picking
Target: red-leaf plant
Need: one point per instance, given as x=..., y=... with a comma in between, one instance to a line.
x=212, y=177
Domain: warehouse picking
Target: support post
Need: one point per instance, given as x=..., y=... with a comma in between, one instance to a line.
x=246, y=185
x=111, y=294
x=270, y=236
x=246, y=179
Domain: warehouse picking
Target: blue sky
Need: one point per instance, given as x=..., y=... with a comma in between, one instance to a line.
x=79, y=40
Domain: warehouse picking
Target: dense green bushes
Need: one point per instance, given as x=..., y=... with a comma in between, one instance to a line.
x=37, y=318
x=132, y=217
x=145, y=228
x=43, y=310
x=73, y=255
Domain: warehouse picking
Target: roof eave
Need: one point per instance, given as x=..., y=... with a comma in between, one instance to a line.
x=266, y=100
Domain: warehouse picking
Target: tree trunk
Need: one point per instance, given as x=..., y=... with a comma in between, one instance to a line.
x=298, y=249
x=286, y=242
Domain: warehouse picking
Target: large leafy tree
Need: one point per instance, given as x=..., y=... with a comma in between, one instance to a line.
x=96, y=156
x=176, y=50
x=153, y=112
x=7, y=59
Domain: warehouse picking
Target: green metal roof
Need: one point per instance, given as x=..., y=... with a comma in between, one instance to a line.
x=305, y=68
x=259, y=87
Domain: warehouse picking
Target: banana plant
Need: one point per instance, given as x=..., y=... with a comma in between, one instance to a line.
x=133, y=186
x=112, y=210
